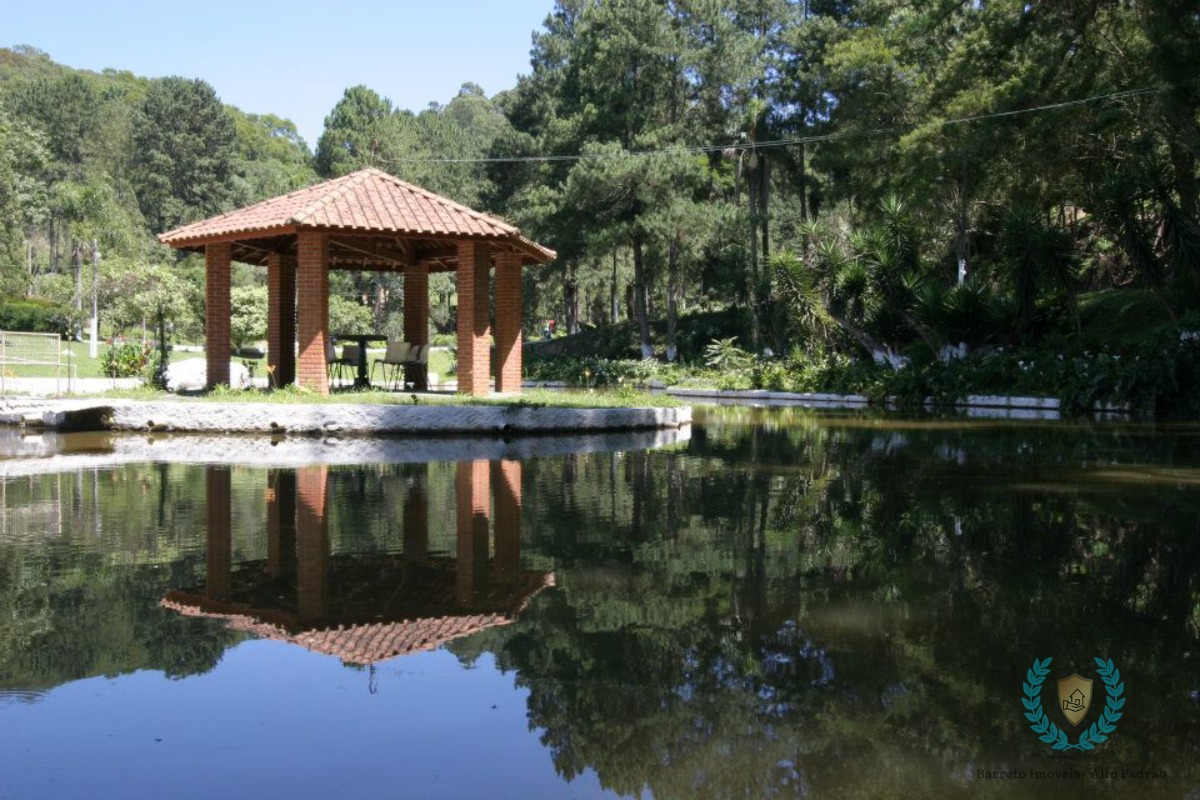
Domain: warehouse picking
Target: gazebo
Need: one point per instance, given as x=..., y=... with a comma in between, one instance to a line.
x=367, y=220
x=366, y=607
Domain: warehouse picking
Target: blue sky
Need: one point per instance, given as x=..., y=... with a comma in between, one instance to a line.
x=292, y=58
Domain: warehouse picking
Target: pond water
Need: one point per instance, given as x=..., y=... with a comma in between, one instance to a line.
x=783, y=604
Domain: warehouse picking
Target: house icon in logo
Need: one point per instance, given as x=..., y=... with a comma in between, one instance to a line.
x=1074, y=701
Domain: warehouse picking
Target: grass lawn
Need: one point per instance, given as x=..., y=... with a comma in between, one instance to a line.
x=72, y=353
x=87, y=367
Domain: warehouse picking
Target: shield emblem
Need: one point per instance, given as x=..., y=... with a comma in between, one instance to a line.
x=1074, y=697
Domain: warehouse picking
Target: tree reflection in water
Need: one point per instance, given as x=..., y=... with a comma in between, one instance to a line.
x=839, y=607
x=789, y=604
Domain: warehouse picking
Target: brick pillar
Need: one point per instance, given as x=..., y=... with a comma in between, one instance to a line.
x=416, y=523
x=218, y=554
x=217, y=312
x=281, y=523
x=474, y=356
x=506, y=478
x=281, y=318
x=472, y=491
x=312, y=306
x=416, y=319
x=312, y=543
x=508, y=322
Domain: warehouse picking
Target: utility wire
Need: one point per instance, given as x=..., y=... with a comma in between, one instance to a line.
x=773, y=143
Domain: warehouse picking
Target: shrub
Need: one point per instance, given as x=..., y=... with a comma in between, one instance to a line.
x=724, y=354
x=601, y=372
x=125, y=360
x=36, y=315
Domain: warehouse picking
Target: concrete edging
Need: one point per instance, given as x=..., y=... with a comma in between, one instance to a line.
x=324, y=419
x=1019, y=406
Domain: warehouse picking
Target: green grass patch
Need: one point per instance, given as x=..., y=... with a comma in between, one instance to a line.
x=617, y=398
x=87, y=367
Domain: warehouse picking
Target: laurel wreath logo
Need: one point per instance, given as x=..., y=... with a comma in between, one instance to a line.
x=1050, y=733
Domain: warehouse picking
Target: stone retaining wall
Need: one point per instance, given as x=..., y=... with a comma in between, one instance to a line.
x=369, y=419
x=338, y=419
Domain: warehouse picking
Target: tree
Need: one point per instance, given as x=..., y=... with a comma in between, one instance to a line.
x=138, y=294
x=352, y=133
x=272, y=157
x=248, y=318
x=184, y=151
x=67, y=110
x=23, y=198
x=347, y=315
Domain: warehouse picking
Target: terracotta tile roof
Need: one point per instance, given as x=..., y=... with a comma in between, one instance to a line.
x=367, y=201
x=360, y=644
x=359, y=627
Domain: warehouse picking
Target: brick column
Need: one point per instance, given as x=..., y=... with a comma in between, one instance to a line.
x=508, y=322
x=474, y=356
x=281, y=317
x=416, y=523
x=416, y=319
x=473, y=495
x=218, y=553
x=281, y=522
x=312, y=543
x=506, y=480
x=312, y=306
x=216, y=312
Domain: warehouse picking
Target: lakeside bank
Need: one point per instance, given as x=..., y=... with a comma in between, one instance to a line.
x=316, y=419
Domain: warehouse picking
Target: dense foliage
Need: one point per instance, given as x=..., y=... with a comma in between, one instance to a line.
x=877, y=179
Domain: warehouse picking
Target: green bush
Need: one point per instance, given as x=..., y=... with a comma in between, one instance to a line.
x=125, y=361
x=36, y=315
x=601, y=372
x=724, y=354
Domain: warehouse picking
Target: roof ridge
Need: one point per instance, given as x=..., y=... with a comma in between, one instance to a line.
x=479, y=216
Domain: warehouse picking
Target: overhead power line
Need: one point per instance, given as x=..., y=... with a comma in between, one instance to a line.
x=775, y=143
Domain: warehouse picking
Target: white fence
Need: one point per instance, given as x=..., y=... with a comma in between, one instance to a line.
x=21, y=352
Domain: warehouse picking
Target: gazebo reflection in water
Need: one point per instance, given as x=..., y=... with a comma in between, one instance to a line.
x=368, y=607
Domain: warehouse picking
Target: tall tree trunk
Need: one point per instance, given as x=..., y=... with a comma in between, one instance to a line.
x=961, y=241
x=752, y=255
x=53, y=245
x=764, y=206
x=673, y=289
x=612, y=292
x=571, y=298
x=77, y=262
x=803, y=181
x=639, y=299
x=380, y=309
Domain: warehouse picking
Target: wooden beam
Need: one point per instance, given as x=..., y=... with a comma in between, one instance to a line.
x=370, y=249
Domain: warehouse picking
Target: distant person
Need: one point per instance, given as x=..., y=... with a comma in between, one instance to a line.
x=551, y=325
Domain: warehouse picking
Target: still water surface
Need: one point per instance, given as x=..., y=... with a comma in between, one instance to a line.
x=784, y=605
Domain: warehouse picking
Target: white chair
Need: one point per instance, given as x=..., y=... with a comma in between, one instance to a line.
x=337, y=366
x=393, y=361
x=418, y=356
